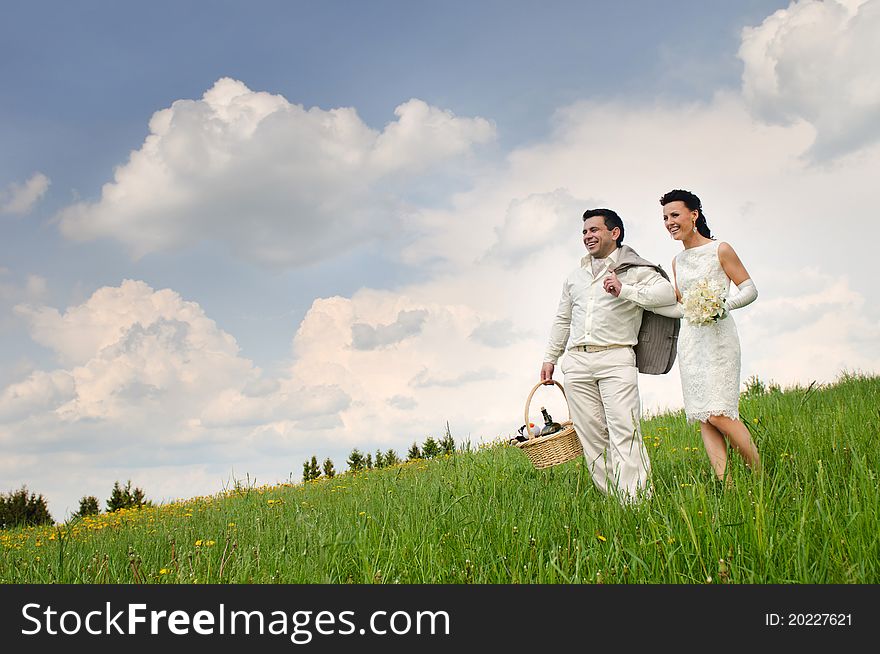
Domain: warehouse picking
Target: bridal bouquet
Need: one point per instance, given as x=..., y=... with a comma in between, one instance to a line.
x=703, y=302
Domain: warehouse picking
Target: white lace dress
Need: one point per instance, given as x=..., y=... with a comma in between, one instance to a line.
x=708, y=355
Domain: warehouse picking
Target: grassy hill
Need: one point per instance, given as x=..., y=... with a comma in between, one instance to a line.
x=487, y=516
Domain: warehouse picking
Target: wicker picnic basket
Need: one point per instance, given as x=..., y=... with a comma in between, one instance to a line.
x=546, y=451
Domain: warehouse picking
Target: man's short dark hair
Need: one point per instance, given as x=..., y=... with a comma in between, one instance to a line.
x=610, y=218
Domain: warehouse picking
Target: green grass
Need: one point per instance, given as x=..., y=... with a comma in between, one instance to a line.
x=487, y=516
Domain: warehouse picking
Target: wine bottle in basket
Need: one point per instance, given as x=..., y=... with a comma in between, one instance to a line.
x=550, y=427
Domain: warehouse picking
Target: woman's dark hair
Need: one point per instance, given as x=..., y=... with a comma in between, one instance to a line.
x=693, y=203
x=611, y=219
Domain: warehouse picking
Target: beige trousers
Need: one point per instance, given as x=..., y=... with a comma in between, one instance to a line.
x=602, y=389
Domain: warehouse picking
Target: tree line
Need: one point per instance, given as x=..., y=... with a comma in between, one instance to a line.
x=21, y=508
x=358, y=461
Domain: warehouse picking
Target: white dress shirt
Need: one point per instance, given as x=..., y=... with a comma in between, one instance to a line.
x=589, y=315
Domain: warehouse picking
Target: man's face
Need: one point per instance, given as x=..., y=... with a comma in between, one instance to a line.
x=600, y=241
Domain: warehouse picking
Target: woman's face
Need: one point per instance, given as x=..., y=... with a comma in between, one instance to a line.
x=679, y=220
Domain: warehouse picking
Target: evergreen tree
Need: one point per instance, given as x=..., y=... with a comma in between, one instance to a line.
x=380, y=460
x=355, y=461
x=329, y=472
x=125, y=498
x=138, y=498
x=447, y=445
x=18, y=509
x=311, y=470
x=391, y=458
x=414, y=452
x=368, y=462
x=430, y=448
x=88, y=505
x=118, y=498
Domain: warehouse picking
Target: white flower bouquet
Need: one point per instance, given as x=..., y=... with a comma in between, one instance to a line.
x=703, y=303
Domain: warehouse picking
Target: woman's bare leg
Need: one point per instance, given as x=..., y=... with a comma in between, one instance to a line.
x=716, y=448
x=740, y=439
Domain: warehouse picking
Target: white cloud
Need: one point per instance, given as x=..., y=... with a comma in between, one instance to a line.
x=534, y=223
x=33, y=288
x=19, y=199
x=497, y=333
x=153, y=362
x=402, y=402
x=275, y=182
x=407, y=323
x=816, y=62
x=814, y=333
x=410, y=388
x=131, y=350
x=39, y=393
x=423, y=135
x=114, y=319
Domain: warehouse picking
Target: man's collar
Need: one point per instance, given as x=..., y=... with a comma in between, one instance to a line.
x=610, y=259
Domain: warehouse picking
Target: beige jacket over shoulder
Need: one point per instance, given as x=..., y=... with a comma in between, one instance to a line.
x=588, y=315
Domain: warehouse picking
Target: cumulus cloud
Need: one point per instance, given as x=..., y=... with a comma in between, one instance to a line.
x=440, y=370
x=816, y=62
x=402, y=402
x=425, y=379
x=119, y=318
x=814, y=332
x=31, y=288
x=39, y=393
x=497, y=333
x=533, y=223
x=274, y=182
x=367, y=337
x=133, y=355
x=19, y=199
x=130, y=347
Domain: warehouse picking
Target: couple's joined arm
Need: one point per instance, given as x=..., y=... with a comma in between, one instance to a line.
x=669, y=310
x=647, y=288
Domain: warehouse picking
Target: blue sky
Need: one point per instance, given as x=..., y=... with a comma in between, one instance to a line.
x=239, y=234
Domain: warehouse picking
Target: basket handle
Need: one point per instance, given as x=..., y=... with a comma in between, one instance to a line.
x=537, y=386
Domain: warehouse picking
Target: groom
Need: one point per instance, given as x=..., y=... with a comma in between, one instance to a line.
x=598, y=318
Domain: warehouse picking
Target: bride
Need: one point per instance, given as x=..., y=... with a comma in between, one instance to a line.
x=708, y=344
